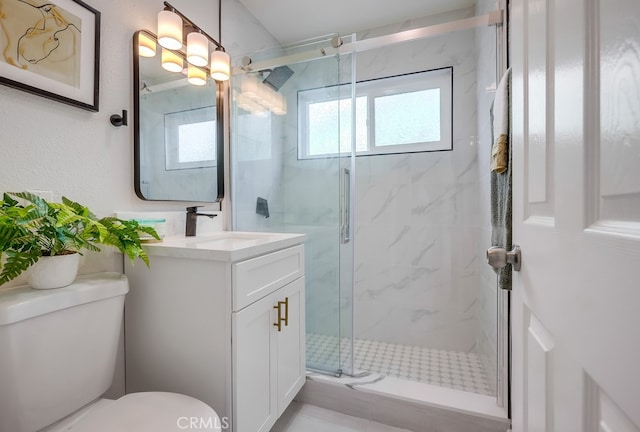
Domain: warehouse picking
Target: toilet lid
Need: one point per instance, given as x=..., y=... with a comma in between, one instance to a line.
x=151, y=412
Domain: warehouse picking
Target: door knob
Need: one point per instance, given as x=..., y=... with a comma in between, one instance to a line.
x=499, y=257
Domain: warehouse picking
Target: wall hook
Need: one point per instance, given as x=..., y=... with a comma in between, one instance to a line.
x=119, y=120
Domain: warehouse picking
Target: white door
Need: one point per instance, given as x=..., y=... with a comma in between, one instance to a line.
x=576, y=214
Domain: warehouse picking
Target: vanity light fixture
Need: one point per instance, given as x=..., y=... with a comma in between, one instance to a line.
x=172, y=61
x=172, y=26
x=243, y=101
x=220, y=65
x=266, y=96
x=259, y=98
x=197, y=49
x=146, y=46
x=249, y=87
x=196, y=76
x=220, y=61
x=170, y=29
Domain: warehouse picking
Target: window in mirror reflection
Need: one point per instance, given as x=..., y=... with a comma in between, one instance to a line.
x=190, y=138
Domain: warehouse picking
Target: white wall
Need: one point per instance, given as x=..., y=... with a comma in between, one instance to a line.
x=257, y=169
x=50, y=146
x=416, y=214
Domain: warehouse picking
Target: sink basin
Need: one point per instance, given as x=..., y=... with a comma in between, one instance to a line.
x=231, y=238
x=225, y=245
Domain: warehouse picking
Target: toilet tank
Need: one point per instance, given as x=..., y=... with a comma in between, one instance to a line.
x=57, y=348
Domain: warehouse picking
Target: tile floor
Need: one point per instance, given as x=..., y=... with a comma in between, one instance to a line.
x=451, y=369
x=309, y=418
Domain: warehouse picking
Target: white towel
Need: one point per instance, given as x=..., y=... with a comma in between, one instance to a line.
x=500, y=146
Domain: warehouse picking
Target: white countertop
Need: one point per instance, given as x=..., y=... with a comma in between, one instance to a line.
x=224, y=245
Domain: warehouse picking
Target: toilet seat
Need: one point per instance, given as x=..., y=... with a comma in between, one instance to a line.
x=150, y=412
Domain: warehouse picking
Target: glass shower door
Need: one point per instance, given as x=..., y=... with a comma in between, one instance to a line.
x=291, y=172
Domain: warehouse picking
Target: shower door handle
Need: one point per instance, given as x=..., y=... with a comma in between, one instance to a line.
x=499, y=257
x=345, y=204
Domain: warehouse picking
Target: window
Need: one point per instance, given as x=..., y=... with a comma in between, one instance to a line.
x=399, y=114
x=190, y=138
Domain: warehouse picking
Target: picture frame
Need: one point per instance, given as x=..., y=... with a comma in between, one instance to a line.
x=52, y=49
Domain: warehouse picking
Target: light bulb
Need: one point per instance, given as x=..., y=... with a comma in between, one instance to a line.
x=171, y=61
x=220, y=65
x=197, y=49
x=196, y=76
x=245, y=103
x=169, y=30
x=146, y=46
x=249, y=87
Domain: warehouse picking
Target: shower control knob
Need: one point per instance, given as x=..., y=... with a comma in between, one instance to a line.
x=499, y=257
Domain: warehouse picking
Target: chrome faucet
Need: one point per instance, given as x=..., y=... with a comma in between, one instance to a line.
x=192, y=220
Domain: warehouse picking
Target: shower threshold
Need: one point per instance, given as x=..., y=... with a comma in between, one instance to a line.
x=405, y=404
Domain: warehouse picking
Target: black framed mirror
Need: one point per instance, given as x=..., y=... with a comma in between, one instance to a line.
x=178, y=129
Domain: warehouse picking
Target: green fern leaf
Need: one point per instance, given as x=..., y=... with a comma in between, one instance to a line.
x=16, y=263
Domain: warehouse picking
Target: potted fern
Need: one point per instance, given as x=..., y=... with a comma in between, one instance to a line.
x=50, y=237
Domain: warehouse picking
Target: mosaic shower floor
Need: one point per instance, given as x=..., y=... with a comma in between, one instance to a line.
x=451, y=369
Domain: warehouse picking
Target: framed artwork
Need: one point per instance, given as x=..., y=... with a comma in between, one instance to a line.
x=52, y=49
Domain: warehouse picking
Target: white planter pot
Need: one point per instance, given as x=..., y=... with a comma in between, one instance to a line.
x=54, y=271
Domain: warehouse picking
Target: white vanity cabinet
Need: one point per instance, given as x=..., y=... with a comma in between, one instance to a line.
x=268, y=369
x=203, y=321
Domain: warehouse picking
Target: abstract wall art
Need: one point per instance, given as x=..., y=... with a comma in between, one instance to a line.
x=52, y=49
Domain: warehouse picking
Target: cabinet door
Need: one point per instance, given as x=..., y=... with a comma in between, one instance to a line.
x=254, y=373
x=291, y=344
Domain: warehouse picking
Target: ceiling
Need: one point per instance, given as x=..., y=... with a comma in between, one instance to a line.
x=298, y=20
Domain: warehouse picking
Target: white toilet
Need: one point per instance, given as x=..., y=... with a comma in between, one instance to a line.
x=57, y=357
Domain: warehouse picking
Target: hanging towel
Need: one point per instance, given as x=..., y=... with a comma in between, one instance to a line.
x=500, y=148
x=501, y=176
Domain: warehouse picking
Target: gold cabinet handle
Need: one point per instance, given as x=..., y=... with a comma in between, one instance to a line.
x=278, y=323
x=286, y=311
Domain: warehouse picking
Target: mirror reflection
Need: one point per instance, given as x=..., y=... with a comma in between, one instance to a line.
x=178, y=129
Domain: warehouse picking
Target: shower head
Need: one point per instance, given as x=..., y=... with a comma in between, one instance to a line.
x=278, y=76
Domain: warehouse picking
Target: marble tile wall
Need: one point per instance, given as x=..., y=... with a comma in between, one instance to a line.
x=256, y=171
x=416, y=214
x=255, y=152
